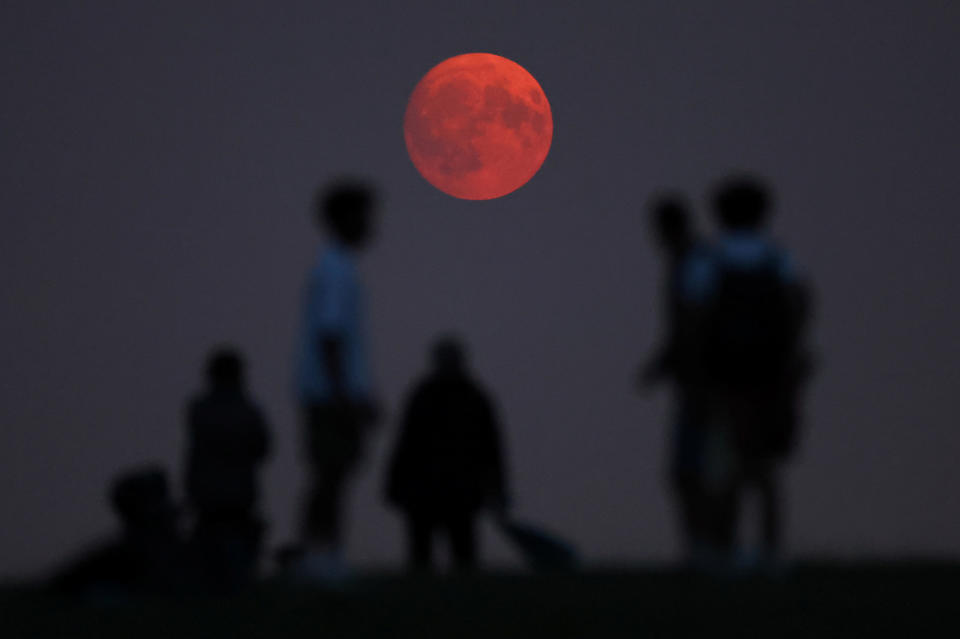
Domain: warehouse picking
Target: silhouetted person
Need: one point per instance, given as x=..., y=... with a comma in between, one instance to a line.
x=227, y=443
x=673, y=231
x=334, y=382
x=748, y=305
x=447, y=464
x=147, y=557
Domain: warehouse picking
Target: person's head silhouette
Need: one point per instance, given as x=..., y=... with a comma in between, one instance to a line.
x=670, y=222
x=742, y=203
x=141, y=499
x=225, y=368
x=346, y=209
x=449, y=356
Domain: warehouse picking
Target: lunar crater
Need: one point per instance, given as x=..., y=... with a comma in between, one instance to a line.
x=478, y=126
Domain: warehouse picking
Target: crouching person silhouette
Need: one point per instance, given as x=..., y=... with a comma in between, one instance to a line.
x=146, y=557
x=447, y=465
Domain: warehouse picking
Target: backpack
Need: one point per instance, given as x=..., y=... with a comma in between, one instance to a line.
x=750, y=334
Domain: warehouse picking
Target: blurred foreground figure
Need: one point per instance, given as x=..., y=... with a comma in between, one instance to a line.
x=672, y=229
x=227, y=443
x=148, y=557
x=447, y=464
x=334, y=382
x=746, y=310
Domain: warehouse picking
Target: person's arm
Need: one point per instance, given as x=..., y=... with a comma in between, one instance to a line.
x=800, y=306
x=697, y=283
x=262, y=443
x=657, y=367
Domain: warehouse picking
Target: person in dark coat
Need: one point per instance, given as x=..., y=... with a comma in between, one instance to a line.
x=228, y=441
x=448, y=461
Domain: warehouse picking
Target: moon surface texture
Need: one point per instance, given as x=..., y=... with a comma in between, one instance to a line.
x=478, y=126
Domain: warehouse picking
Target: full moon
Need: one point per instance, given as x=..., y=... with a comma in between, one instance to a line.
x=478, y=126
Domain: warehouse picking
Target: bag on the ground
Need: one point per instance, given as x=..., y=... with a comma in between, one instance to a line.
x=542, y=550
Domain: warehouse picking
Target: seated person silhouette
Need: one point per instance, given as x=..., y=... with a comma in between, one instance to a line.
x=227, y=443
x=447, y=464
x=147, y=557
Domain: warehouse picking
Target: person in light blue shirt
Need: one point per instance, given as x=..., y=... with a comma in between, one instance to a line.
x=334, y=385
x=333, y=306
x=746, y=308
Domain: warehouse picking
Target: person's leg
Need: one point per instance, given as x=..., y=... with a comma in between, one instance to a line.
x=686, y=474
x=688, y=512
x=322, y=525
x=203, y=545
x=240, y=538
x=721, y=489
x=332, y=455
x=728, y=517
x=461, y=531
x=420, y=541
x=771, y=510
x=317, y=511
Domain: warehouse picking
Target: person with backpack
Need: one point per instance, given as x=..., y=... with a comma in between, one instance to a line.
x=743, y=334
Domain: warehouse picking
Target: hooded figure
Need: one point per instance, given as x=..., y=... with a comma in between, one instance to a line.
x=447, y=464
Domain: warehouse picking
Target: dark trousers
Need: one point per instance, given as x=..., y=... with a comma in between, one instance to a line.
x=686, y=470
x=752, y=420
x=692, y=510
x=333, y=442
x=227, y=544
x=756, y=474
x=459, y=529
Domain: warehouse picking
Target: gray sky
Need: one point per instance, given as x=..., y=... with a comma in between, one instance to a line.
x=157, y=164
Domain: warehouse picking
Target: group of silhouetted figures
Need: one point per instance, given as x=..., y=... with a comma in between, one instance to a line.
x=228, y=440
x=735, y=351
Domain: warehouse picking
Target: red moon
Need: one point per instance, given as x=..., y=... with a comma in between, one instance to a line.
x=478, y=126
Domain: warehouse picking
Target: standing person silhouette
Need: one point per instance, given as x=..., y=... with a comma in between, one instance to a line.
x=448, y=463
x=334, y=380
x=748, y=311
x=672, y=230
x=228, y=441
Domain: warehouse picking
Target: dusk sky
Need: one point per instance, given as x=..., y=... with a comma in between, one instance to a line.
x=157, y=162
